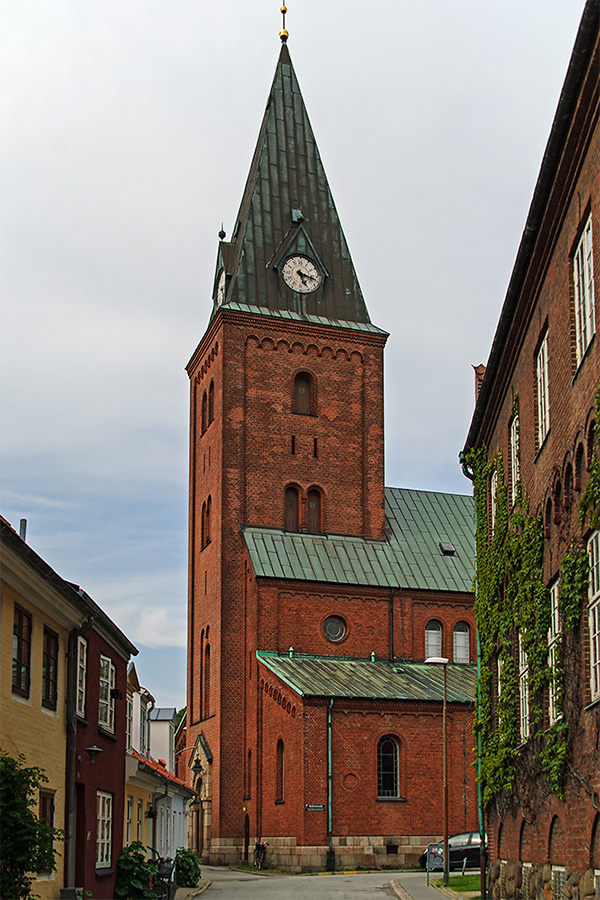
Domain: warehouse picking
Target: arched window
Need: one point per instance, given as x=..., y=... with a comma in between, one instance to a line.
x=548, y=518
x=205, y=524
x=249, y=775
x=291, y=509
x=568, y=493
x=388, y=767
x=433, y=639
x=204, y=412
x=303, y=391
x=461, y=643
x=206, y=686
x=211, y=402
x=279, y=787
x=313, y=518
x=579, y=467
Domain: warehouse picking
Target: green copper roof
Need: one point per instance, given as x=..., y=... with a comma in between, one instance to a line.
x=287, y=209
x=335, y=676
x=417, y=523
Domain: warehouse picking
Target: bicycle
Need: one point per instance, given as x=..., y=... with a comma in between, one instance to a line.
x=160, y=882
x=260, y=851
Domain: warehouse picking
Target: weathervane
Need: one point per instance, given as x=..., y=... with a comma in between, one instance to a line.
x=283, y=33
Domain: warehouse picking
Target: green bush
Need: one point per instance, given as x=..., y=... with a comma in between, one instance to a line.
x=27, y=843
x=187, y=868
x=134, y=873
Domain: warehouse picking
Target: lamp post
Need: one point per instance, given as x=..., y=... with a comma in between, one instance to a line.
x=442, y=661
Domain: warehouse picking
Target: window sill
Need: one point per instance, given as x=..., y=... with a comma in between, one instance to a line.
x=279, y=802
x=593, y=705
x=391, y=799
x=106, y=733
x=104, y=872
x=583, y=358
x=542, y=445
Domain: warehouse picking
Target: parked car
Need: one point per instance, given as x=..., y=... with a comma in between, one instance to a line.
x=460, y=846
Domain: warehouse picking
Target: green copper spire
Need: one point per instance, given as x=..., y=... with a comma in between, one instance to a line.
x=288, y=255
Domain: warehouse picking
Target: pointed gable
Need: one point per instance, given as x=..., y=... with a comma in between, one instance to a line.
x=287, y=210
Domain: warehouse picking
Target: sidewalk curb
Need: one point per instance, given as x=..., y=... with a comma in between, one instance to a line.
x=196, y=892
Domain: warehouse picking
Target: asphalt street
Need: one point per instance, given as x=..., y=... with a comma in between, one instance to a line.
x=229, y=884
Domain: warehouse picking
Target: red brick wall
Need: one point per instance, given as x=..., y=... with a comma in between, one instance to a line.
x=107, y=773
x=547, y=303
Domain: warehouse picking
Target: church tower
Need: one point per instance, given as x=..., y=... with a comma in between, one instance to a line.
x=288, y=539
x=286, y=413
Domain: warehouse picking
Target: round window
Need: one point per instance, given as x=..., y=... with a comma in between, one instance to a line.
x=334, y=628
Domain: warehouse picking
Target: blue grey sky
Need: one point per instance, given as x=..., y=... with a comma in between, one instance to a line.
x=129, y=128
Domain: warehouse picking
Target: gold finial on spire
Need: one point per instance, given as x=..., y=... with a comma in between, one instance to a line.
x=283, y=34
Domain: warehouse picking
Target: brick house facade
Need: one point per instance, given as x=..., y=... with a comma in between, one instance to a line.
x=312, y=587
x=533, y=450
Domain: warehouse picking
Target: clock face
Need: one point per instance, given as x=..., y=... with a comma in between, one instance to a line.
x=221, y=288
x=301, y=275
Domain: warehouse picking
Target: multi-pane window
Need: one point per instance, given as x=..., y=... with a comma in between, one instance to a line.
x=388, y=752
x=515, y=463
x=49, y=669
x=81, y=675
x=523, y=690
x=583, y=280
x=21, y=659
x=433, y=639
x=129, y=820
x=553, y=648
x=140, y=821
x=47, y=815
x=129, y=731
x=104, y=829
x=461, y=643
x=106, y=706
x=594, y=613
x=493, y=492
x=542, y=390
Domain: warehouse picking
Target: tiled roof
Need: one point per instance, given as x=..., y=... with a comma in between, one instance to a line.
x=159, y=768
x=418, y=522
x=331, y=676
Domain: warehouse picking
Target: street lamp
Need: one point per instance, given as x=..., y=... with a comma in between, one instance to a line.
x=442, y=661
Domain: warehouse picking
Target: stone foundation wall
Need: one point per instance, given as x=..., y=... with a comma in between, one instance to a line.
x=369, y=851
x=530, y=881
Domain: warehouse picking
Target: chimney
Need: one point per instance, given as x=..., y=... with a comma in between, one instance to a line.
x=479, y=375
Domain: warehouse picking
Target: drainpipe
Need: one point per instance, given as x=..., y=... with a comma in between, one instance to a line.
x=391, y=625
x=330, y=851
x=74, y=636
x=468, y=473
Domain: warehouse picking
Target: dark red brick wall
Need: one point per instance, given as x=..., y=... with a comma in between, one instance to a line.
x=547, y=302
x=107, y=773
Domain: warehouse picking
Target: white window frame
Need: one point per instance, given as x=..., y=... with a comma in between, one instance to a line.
x=129, y=733
x=433, y=645
x=594, y=614
x=81, y=675
x=543, y=392
x=515, y=463
x=129, y=820
x=106, y=703
x=461, y=643
x=104, y=829
x=140, y=821
x=583, y=281
x=554, y=636
x=493, y=492
x=523, y=691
